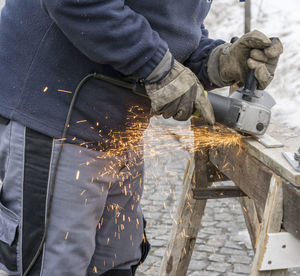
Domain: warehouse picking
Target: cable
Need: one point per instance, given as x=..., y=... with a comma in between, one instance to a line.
x=134, y=88
x=64, y=136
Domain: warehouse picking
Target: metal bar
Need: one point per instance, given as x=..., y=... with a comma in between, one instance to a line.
x=247, y=16
x=218, y=192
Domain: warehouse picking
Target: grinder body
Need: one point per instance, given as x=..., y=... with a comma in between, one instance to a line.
x=247, y=110
x=246, y=117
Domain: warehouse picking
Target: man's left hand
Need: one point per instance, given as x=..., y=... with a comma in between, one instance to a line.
x=229, y=63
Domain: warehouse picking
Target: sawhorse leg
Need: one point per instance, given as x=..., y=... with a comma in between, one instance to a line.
x=188, y=220
x=271, y=222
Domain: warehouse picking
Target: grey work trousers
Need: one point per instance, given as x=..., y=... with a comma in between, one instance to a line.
x=96, y=221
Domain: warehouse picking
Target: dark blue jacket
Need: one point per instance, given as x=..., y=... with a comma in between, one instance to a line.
x=48, y=46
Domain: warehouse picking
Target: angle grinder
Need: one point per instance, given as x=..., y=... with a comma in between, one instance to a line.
x=247, y=110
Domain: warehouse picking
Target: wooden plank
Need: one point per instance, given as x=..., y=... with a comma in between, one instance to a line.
x=271, y=223
x=218, y=192
x=252, y=219
x=291, y=209
x=187, y=222
x=246, y=172
x=214, y=175
x=282, y=251
x=272, y=157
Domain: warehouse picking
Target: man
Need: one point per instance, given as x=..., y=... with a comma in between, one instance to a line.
x=75, y=209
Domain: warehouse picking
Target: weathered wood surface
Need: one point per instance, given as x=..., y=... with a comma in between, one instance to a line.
x=252, y=219
x=218, y=192
x=272, y=157
x=291, y=209
x=187, y=221
x=271, y=223
x=245, y=171
x=259, y=172
x=252, y=165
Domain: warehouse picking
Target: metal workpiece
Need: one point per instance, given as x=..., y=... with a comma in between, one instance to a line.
x=293, y=158
x=297, y=156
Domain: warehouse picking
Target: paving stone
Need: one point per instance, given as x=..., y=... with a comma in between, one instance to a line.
x=197, y=255
x=234, y=274
x=224, y=224
x=204, y=273
x=215, y=242
x=202, y=235
x=208, y=223
x=151, y=259
x=219, y=267
x=234, y=245
x=163, y=237
x=217, y=258
x=222, y=236
x=159, y=252
x=211, y=230
x=206, y=248
x=224, y=217
x=231, y=251
x=197, y=265
x=157, y=243
x=241, y=268
x=240, y=259
x=239, y=218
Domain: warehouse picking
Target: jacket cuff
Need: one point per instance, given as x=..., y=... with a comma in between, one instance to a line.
x=213, y=69
x=162, y=69
x=153, y=62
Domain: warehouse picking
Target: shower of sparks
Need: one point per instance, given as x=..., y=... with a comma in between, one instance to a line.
x=82, y=121
x=77, y=175
x=64, y=91
x=126, y=151
x=125, y=155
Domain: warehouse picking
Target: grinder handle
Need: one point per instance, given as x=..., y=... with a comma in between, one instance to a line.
x=250, y=83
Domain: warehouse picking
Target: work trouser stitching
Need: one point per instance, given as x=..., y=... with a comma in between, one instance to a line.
x=47, y=198
x=22, y=198
x=8, y=151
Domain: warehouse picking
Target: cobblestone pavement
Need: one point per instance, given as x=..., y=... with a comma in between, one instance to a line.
x=223, y=245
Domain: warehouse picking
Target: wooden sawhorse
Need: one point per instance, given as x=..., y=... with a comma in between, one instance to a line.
x=269, y=191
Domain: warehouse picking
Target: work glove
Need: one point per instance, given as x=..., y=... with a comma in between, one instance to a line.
x=179, y=94
x=229, y=63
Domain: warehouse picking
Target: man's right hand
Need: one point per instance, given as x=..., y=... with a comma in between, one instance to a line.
x=179, y=94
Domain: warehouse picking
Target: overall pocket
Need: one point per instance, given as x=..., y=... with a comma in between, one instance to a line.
x=9, y=224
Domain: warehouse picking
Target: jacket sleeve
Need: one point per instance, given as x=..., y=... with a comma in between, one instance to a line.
x=109, y=32
x=197, y=62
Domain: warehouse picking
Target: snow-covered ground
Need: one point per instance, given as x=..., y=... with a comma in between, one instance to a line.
x=274, y=18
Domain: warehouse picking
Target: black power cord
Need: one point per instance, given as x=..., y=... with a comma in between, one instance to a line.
x=49, y=206
x=136, y=88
